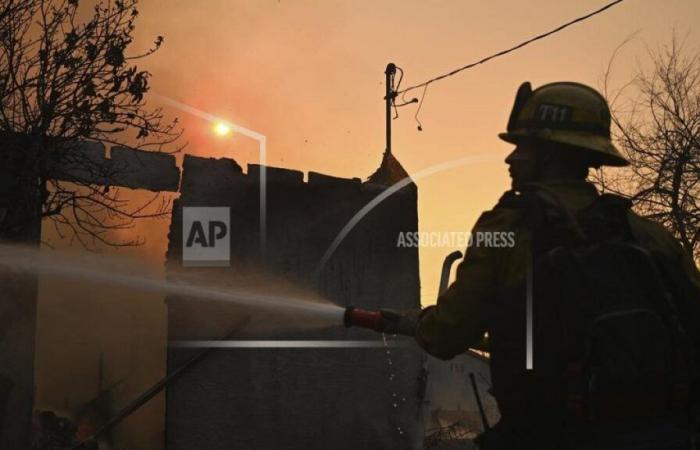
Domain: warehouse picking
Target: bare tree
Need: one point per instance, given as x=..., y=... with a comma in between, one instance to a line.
x=656, y=117
x=65, y=80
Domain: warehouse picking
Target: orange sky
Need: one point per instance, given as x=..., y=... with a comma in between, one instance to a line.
x=309, y=75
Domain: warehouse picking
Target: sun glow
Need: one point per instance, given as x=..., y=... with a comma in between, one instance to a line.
x=221, y=128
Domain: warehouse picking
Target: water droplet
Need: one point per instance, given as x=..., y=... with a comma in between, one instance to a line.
x=395, y=405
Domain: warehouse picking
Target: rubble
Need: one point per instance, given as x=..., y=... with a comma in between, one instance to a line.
x=52, y=432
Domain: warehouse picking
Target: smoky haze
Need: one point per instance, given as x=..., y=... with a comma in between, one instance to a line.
x=99, y=340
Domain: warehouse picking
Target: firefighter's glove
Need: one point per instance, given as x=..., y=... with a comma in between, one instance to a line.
x=394, y=322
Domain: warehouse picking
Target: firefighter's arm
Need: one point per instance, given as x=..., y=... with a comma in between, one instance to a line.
x=457, y=321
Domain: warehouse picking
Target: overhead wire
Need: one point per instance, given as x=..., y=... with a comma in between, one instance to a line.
x=420, y=105
x=511, y=49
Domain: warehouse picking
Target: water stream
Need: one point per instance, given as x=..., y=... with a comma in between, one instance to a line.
x=111, y=271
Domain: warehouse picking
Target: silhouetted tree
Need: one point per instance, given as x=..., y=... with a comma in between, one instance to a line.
x=63, y=80
x=657, y=125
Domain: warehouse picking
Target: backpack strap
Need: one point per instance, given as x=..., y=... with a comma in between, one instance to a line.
x=552, y=222
x=547, y=214
x=607, y=218
x=540, y=204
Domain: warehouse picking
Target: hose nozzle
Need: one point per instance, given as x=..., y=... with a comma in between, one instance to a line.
x=382, y=321
x=356, y=317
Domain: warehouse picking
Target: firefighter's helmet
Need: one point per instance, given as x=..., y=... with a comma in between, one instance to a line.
x=568, y=113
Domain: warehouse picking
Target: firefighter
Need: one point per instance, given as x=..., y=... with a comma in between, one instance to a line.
x=560, y=131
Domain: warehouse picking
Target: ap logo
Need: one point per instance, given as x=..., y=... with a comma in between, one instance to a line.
x=206, y=236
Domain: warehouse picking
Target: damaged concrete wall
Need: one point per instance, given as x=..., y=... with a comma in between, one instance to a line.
x=298, y=398
x=86, y=162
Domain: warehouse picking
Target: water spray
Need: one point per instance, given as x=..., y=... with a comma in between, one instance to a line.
x=123, y=273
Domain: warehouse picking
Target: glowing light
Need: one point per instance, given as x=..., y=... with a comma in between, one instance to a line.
x=222, y=128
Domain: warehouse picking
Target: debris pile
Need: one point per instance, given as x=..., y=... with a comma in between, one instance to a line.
x=52, y=432
x=452, y=437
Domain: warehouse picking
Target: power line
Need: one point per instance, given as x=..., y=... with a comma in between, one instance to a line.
x=501, y=53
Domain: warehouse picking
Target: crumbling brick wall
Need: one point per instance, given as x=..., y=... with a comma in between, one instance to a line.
x=298, y=398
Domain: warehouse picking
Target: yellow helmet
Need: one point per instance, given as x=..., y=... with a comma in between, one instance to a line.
x=568, y=113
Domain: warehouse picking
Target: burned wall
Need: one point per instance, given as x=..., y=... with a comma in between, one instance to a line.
x=345, y=398
x=26, y=163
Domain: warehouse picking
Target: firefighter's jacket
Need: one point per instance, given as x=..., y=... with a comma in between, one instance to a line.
x=458, y=320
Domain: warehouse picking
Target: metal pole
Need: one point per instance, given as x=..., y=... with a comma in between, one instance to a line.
x=154, y=390
x=389, y=98
x=479, y=405
x=446, y=268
